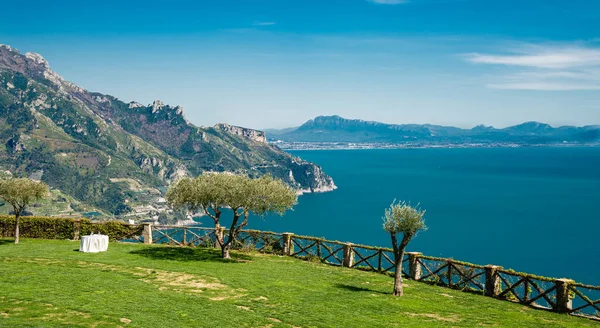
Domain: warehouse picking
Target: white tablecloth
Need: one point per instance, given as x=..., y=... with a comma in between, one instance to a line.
x=93, y=244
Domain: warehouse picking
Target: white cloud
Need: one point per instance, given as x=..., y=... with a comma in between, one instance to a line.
x=589, y=74
x=544, y=86
x=545, y=67
x=388, y=2
x=543, y=58
x=257, y=23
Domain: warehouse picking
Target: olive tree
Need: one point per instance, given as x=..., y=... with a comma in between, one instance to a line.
x=215, y=193
x=401, y=218
x=19, y=193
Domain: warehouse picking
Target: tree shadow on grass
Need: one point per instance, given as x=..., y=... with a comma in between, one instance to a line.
x=187, y=254
x=358, y=289
x=7, y=241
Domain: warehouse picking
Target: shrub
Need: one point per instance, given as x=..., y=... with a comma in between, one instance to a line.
x=63, y=228
x=312, y=257
x=115, y=230
x=38, y=227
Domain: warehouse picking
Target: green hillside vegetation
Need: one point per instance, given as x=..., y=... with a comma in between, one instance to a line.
x=46, y=283
x=86, y=143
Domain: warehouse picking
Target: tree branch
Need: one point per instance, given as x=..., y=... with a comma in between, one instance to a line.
x=243, y=224
x=214, y=217
x=394, y=243
x=405, y=240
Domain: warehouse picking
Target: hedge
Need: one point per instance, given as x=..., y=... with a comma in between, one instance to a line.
x=63, y=228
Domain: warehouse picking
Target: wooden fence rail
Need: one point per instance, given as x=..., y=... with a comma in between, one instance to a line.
x=558, y=295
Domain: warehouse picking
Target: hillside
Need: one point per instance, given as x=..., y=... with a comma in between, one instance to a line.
x=339, y=129
x=157, y=286
x=117, y=158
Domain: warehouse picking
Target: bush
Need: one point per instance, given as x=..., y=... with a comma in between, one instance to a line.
x=38, y=227
x=62, y=228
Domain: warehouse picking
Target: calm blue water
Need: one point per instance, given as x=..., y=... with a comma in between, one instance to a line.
x=529, y=209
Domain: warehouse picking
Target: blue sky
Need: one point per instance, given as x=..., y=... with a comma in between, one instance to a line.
x=278, y=63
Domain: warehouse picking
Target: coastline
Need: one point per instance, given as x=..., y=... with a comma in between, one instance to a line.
x=312, y=146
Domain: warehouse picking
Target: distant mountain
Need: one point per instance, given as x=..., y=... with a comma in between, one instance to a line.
x=275, y=132
x=112, y=157
x=339, y=129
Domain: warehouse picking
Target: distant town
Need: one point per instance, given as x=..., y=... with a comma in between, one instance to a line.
x=285, y=145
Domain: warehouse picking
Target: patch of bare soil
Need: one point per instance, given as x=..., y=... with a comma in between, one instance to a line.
x=218, y=298
x=451, y=318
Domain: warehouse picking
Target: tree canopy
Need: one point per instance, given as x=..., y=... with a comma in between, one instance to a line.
x=19, y=193
x=401, y=217
x=215, y=192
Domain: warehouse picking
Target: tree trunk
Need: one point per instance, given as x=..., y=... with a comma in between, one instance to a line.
x=17, y=216
x=399, y=256
x=226, y=246
x=219, y=238
x=225, y=251
x=217, y=218
x=398, y=291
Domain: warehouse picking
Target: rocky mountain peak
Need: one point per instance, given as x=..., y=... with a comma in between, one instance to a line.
x=134, y=104
x=157, y=105
x=335, y=121
x=178, y=110
x=34, y=66
x=8, y=48
x=38, y=59
x=482, y=128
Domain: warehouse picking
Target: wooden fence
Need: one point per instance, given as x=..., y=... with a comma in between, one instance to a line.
x=558, y=295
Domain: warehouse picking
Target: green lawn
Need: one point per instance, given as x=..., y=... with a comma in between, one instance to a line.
x=48, y=283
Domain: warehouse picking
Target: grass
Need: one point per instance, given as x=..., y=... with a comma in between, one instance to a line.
x=48, y=283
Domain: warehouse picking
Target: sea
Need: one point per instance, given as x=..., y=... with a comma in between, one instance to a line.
x=534, y=210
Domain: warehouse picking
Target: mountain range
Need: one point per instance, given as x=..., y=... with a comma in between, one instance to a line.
x=338, y=129
x=104, y=156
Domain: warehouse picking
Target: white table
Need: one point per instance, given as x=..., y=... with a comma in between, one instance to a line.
x=93, y=244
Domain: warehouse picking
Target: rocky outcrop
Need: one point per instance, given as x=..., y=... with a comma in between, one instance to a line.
x=309, y=177
x=251, y=134
x=134, y=104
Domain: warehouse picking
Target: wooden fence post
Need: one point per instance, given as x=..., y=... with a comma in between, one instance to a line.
x=147, y=233
x=493, y=284
x=449, y=272
x=564, y=301
x=348, y=260
x=76, y=229
x=288, y=245
x=414, y=266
